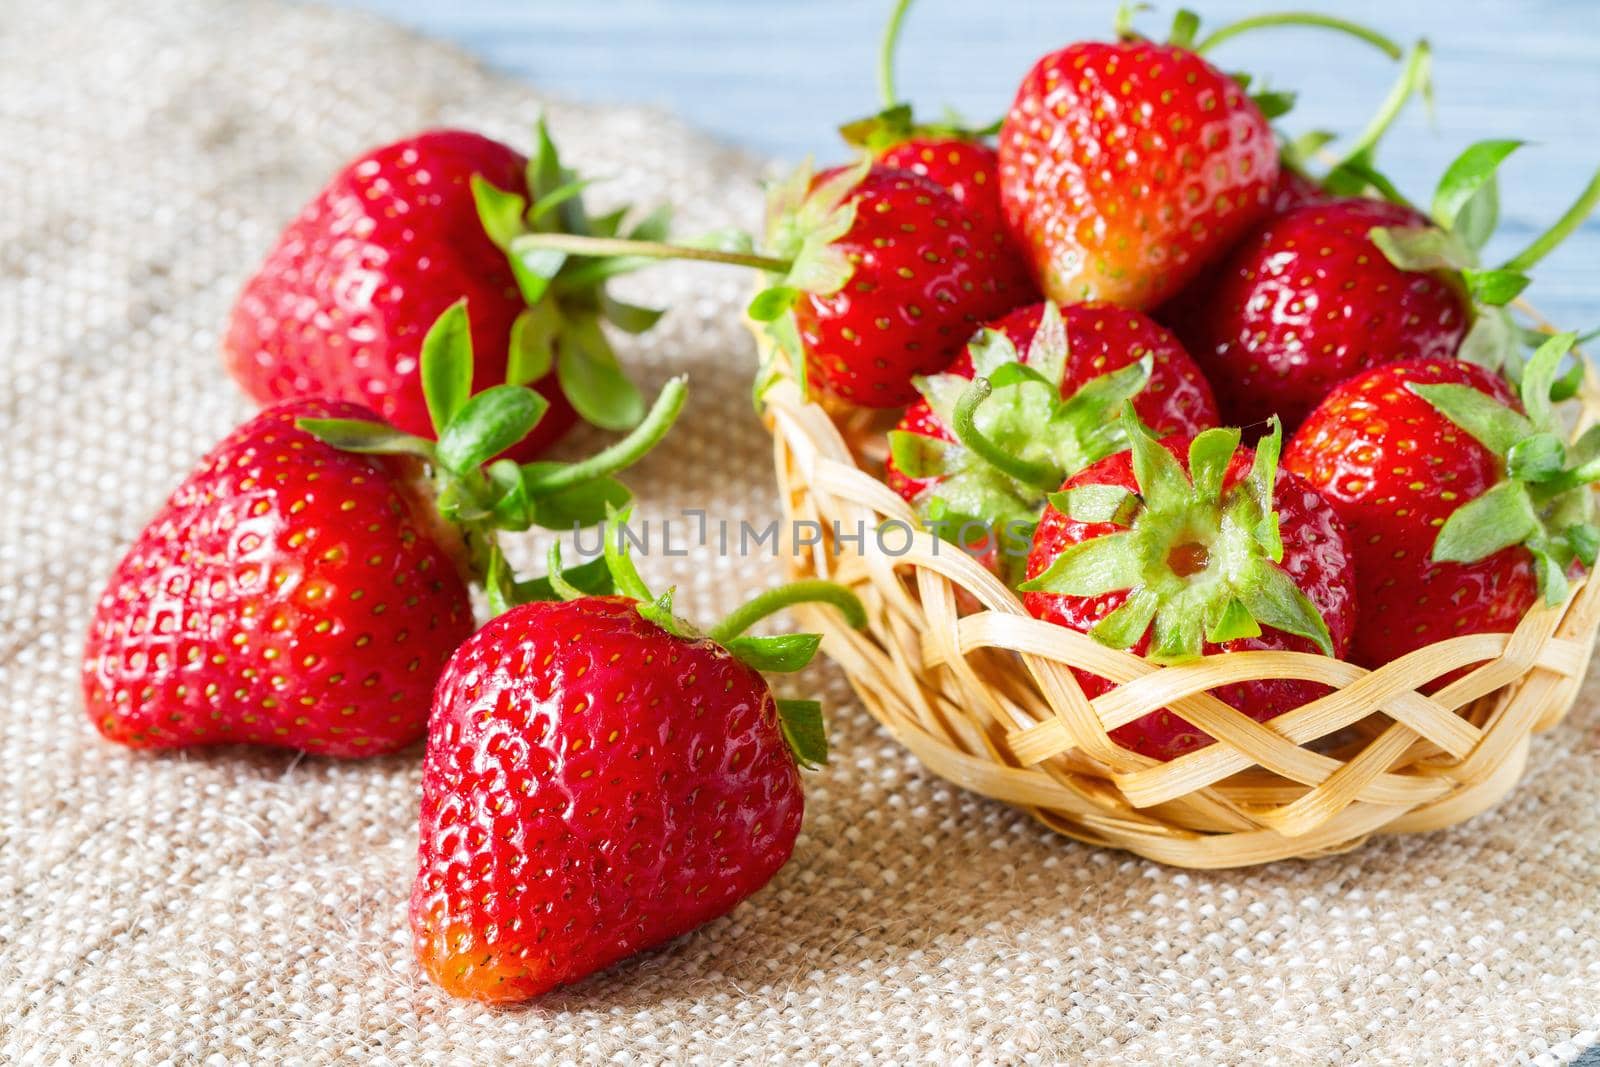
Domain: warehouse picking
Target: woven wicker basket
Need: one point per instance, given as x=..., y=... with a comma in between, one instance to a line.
x=985, y=698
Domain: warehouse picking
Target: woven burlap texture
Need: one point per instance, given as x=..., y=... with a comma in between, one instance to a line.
x=239, y=905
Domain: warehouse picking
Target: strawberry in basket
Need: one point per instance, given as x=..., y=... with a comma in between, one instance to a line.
x=948, y=153
x=1037, y=397
x=601, y=777
x=304, y=586
x=1465, y=505
x=1330, y=289
x=1189, y=546
x=340, y=308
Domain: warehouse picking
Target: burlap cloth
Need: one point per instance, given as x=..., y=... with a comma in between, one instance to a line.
x=242, y=905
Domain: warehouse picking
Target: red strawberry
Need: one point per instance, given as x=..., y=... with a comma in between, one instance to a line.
x=1086, y=360
x=293, y=592
x=601, y=779
x=947, y=153
x=1308, y=300
x=1185, y=547
x=287, y=594
x=1127, y=167
x=342, y=303
x=890, y=276
x=1461, y=503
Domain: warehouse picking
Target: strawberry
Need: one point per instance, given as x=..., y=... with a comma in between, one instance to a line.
x=1084, y=361
x=1464, y=506
x=1127, y=167
x=1192, y=546
x=877, y=275
x=1306, y=301
x=601, y=778
x=1327, y=290
x=343, y=301
x=947, y=153
x=303, y=587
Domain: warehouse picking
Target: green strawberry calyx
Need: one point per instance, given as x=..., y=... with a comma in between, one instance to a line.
x=614, y=571
x=559, y=331
x=895, y=124
x=1200, y=561
x=482, y=495
x=1017, y=437
x=1463, y=217
x=1543, y=501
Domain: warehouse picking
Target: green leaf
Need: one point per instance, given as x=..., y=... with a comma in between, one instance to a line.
x=1261, y=483
x=1492, y=340
x=1566, y=387
x=1177, y=637
x=531, y=352
x=1540, y=375
x=359, y=435
x=1551, y=576
x=918, y=456
x=498, y=584
x=1090, y=568
x=488, y=424
x=534, y=268
x=782, y=654
x=770, y=304
x=1273, y=599
x=1466, y=177
x=1274, y=104
x=803, y=729
x=1501, y=517
x=580, y=505
x=629, y=318
x=1209, y=455
x=1097, y=504
x=1585, y=541
x=591, y=579
x=1185, y=24
x=1422, y=248
x=1124, y=627
x=513, y=509
x=1480, y=216
x=500, y=212
x=1494, y=287
x=1537, y=458
x=592, y=380
x=1490, y=422
x=1233, y=624
x=1161, y=480
x=552, y=200
x=446, y=365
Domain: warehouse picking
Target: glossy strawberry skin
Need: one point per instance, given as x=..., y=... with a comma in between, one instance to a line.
x=1316, y=554
x=1306, y=301
x=287, y=594
x=1395, y=469
x=342, y=303
x=1295, y=190
x=1100, y=339
x=969, y=169
x=1126, y=168
x=593, y=787
x=926, y=275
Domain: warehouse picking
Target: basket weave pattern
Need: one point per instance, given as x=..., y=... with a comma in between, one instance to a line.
x=986, y=698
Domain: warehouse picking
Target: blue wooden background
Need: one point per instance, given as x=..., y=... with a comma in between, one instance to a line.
x=777, y=77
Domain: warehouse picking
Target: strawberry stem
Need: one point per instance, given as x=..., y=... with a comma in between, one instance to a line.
x=1039, y=475
x=1416, y=76
x=810, y=591
x=619, y=246
x=1575, y=216
x=624, y=453
x=891, y=41
x=1301, y=18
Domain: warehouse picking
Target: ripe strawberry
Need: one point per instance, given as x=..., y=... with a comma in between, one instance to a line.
x=1326, y=291
x=1306, y=301
x=287, y=594
x=600, y=779
x=293, y=592
x=947, y=153
x=1182, y=547
x=1087, y=359
x=1127, y=167
x=342, y=303
x=1462, y=504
